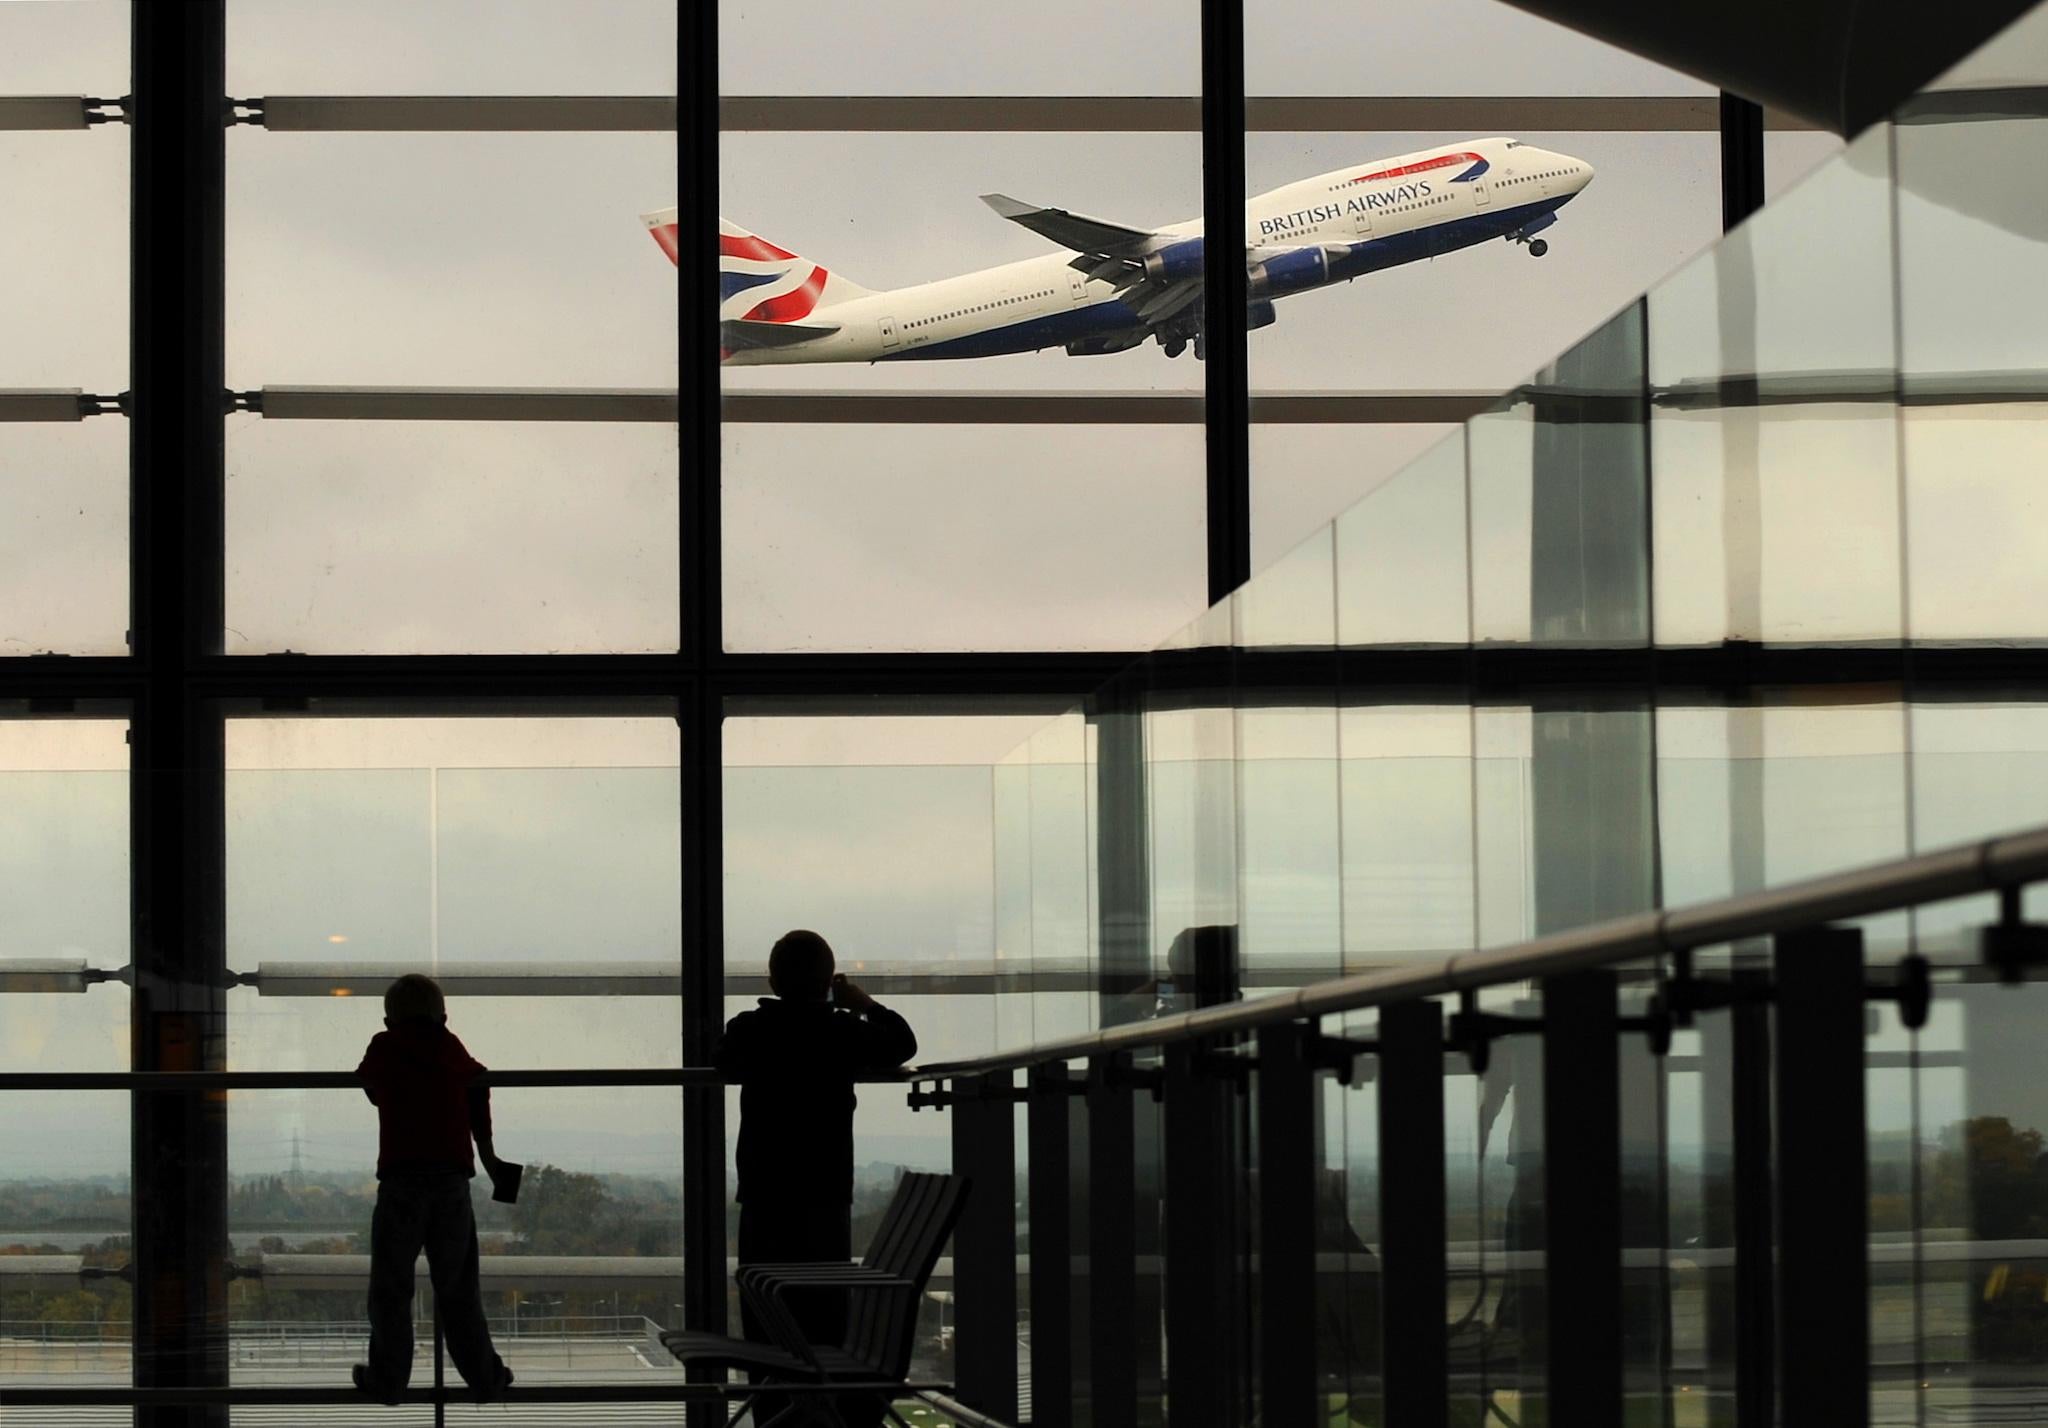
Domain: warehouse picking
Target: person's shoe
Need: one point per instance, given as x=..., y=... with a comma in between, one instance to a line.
x=491, y=1393
x=361, y=1374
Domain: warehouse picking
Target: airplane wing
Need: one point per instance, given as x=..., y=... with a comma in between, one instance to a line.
x=738, y=334
x=1074, y=230
x=1154, y=273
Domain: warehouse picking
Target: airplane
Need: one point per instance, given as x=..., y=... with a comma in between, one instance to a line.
x=1114, y=287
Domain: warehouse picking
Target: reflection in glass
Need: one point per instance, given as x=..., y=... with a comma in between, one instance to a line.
x=1560, y=500
x=1774, y=441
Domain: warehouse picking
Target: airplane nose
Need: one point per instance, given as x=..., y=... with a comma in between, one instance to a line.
x=1585, y=173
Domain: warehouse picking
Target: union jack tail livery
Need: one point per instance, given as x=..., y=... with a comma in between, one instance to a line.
x=760, y=282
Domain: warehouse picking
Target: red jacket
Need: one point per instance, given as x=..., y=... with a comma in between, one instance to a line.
x=419, y=1076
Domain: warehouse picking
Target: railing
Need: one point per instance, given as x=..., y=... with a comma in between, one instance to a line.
x=1193, y=1219
x=1992, y=865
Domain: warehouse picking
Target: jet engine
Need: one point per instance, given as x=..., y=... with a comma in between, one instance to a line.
x=1175, y=262
x=1290, y=272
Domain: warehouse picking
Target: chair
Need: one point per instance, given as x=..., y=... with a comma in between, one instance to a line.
x=886, y=1289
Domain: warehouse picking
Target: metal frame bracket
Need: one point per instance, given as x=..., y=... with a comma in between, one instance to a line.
x=2013, y=946
x=1473, y=1031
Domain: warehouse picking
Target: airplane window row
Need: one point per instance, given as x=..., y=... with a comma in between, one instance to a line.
x=981, y=307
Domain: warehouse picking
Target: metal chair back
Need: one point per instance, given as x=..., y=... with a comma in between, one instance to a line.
x=882, y=1328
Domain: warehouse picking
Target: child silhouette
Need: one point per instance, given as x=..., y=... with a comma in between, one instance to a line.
x=423, y=1082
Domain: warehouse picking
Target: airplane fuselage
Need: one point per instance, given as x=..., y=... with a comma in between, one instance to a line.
x=1298, y=238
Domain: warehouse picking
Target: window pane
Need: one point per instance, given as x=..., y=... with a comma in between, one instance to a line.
x=64, y=314
x=1980, y=769
x=64, y=537
x=63, y=896
x=936, y=47
x=1973, y=307
x=1402, y=569
x=860, y=259
x=877, y=832
x=448, y=259
x=63, y=281
x=1408, y=832
x=1754, y=796
x=531, y=864
x=1559, y=500
x=602, y=1183
x=893, y=212
x=942, y=537
x=1776, y=518
x=65, y=1206
x=1329, y=468
x=451, y=47
x=451, y=537
x=1305, y=47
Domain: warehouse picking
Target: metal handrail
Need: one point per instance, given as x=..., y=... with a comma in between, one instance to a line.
x=1880, y=887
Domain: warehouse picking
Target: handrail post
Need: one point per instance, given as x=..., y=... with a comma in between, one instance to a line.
x=1288, y=1390
x=1822, y=1180
x=1052, y=1238
x=985, y=1243
x=1414, y=1270
x=1203, y=1318
x=1755, y=1255
x=1112, y=1234
x=1582, y=1199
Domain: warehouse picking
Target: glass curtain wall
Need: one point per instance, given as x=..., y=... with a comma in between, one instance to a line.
x=1810, y=442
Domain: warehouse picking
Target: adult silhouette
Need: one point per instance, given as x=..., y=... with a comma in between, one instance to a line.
x=795, y=1058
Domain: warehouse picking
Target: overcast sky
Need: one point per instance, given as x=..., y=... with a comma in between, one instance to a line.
x=514, y=259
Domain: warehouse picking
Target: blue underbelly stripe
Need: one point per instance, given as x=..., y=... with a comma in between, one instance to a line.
x=1103, y=319
x=1052, y=329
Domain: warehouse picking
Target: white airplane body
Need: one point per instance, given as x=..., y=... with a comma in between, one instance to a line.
x=1113, y=286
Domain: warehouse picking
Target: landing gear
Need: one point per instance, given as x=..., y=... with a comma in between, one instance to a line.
x=1201, y=348
x=1538, y=247
x=1175, y=346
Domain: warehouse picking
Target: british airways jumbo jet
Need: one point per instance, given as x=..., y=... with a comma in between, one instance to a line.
x=1117, y=286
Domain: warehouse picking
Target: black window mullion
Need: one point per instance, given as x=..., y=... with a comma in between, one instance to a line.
x=1742, y=158
x=176, y=827
x=1226, y=366
x=700, y=587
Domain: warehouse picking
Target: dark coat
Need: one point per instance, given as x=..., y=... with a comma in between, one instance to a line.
x=795, y=1064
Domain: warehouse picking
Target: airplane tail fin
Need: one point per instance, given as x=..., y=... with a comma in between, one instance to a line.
x=758, y=281
x=761, y=282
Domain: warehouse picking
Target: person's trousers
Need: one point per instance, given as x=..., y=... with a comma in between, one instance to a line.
x=798, y=1233
x=430, y=1212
